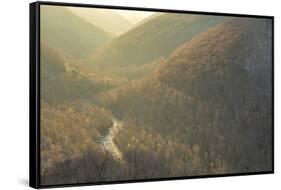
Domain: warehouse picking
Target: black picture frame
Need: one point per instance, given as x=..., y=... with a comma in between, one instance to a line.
x=34, y=98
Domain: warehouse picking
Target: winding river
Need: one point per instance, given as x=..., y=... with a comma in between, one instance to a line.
x=108, y=141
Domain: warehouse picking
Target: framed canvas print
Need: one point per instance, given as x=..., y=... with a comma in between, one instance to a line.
x=121, y=94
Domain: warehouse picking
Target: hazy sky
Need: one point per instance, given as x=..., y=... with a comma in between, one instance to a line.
x=134, y=16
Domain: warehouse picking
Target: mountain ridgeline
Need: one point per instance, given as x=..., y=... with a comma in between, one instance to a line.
x=154, y=39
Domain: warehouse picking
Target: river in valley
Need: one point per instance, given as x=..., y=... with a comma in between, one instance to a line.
x=109, y=144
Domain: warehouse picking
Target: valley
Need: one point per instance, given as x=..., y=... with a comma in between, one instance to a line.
x=175, y=95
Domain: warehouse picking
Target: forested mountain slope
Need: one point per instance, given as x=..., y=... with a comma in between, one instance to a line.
x=214, y=92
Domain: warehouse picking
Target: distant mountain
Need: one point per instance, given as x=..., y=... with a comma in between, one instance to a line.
x=106, y=19
x=154, y=39
x=64, y=30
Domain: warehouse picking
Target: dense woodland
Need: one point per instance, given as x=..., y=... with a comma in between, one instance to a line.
x=180, y=95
